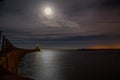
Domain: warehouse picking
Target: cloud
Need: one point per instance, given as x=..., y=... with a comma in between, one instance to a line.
x=81, y=18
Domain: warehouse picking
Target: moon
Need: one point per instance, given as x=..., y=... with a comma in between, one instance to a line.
x=48, y=11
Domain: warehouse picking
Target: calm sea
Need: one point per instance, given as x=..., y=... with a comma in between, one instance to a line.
x=71, y=65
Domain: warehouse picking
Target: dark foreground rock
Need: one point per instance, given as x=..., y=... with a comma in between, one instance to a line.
x=4, y=75
x=9, y=64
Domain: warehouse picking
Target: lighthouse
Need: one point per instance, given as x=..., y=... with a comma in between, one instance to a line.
x=37, y=47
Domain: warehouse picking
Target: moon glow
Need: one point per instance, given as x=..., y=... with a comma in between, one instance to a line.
x=48, y=11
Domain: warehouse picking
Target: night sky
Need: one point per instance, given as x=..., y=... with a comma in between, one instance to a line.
x=74, y=23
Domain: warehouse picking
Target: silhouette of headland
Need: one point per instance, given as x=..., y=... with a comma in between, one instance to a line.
x=10, y=56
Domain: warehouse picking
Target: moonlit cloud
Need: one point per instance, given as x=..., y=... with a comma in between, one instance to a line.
x=24, y=18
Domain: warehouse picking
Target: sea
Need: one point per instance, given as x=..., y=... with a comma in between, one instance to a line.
x=71, y=65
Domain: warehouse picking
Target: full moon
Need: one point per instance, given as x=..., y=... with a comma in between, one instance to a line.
x=48, y=11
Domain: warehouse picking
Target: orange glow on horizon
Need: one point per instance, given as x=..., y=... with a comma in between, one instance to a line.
x=106, y=47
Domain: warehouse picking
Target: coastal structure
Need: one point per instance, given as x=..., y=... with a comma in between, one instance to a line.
x=5, y=45
x=10, y=56
x=37, y=47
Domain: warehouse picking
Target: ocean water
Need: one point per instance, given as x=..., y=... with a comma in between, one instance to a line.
x=71, y=65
